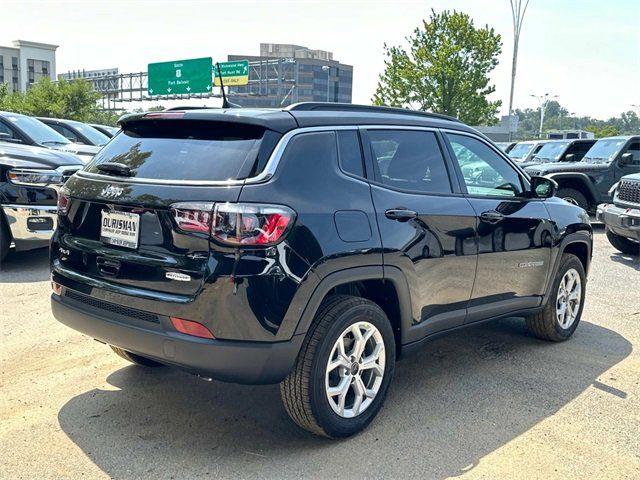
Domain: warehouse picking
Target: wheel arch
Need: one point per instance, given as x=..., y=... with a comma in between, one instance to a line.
x=578, y=244
x=388, y=289
x=577, y=181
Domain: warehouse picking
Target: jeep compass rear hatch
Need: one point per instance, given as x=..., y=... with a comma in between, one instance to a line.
x=140, y=214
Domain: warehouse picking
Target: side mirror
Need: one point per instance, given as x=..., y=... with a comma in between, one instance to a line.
x=543, y=187
x=626, y=159
x=570, y=157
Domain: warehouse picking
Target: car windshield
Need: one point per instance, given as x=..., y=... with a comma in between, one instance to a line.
x=552, y=151
x=503, y=145
x=521, y=150
x=603, y=151
x=94, y=136
x=38, y=131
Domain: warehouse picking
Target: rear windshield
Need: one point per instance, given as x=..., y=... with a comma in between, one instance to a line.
x=188, y=150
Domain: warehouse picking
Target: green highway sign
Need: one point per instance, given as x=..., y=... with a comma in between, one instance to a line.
x=233, y=73
x=180, y=77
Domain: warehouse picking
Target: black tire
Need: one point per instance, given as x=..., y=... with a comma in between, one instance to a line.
x=134, y=358
x=623, y=244
x=303, y=391
x=5, y=238
x=573, y=196
x=545, y=324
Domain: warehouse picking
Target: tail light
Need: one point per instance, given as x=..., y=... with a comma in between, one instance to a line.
x=193, y=217
x=63, y=203
x=249, y=224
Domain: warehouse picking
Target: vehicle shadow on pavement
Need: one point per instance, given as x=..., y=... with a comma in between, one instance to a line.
x=632, y=261
x=462, y=397
x=23, y=267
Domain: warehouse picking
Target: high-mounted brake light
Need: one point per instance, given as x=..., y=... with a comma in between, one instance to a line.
x=251, y=223
x=164, y=115
x=63, y=203
x=190, y=327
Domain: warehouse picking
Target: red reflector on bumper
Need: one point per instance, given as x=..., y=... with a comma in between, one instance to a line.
x=56, y=287
x=191, y=328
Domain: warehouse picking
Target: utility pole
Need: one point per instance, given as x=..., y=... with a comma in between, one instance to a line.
x=543, y=100
x=517, y=15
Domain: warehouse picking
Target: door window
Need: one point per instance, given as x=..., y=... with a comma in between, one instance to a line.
x=349, y=152
x=634, y=149
x=409, y=160
x=5, y=129
x=484, y=171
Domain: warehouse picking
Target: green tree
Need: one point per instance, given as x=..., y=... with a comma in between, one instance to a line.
x=75, y=100
x=445, y=70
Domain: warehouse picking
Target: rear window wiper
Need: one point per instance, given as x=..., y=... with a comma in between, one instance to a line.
x=114, y=169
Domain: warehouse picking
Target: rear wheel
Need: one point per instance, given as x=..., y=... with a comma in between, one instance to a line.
x=574, y=197
x=623, y=244
x=5, y=238
x=134, y=358
x=561, y=315
x=343, y=370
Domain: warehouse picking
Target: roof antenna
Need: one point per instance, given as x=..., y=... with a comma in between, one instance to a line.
x=225, y=102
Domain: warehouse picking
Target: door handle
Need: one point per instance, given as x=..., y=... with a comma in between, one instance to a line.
x=400, y=214
x=491, y=216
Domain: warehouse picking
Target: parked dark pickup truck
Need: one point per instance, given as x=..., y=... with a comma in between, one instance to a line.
x=29, y=178
x=587, y=183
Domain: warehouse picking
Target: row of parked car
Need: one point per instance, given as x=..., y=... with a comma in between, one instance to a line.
x=37, y=155
x=602, y=176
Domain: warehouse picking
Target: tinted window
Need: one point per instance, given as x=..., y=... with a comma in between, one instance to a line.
x=185, y=150
x=7, y=130
x=484, y=171
x=634, y=149
x=349, y=152
x=93, y=135
x=70, y=134
x=409, y=160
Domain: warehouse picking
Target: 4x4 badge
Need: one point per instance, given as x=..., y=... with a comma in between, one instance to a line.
x=111, y=191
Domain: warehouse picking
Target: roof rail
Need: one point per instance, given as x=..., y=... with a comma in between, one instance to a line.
x=350, y=107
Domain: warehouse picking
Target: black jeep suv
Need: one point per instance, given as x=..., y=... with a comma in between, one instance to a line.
x=311, y=246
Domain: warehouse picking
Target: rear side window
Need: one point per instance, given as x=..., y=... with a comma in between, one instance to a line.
x=188, y=150
x=409, y=160
x=349, y=152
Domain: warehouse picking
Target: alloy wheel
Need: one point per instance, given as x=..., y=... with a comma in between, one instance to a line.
x=355, y=369
x=568, y=298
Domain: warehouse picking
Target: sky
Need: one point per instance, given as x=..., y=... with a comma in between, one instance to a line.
x=587, y=52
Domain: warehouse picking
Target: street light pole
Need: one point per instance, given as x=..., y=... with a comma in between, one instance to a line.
x=327, y=69
x=517, y=15
x=543, y=100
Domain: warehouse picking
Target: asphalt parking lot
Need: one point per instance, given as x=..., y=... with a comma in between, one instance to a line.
x=488, y=402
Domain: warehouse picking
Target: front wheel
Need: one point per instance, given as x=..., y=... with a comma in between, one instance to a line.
x=559, y=318
x=573, y=196
x=343, y=370
x=623, y=244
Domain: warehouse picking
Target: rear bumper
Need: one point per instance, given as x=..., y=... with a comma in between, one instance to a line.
x=621, y=221
x=232, y=361
x=31, y=225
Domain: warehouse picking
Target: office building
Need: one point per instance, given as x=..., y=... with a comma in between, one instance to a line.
x=26, y=63
x=284, y=74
